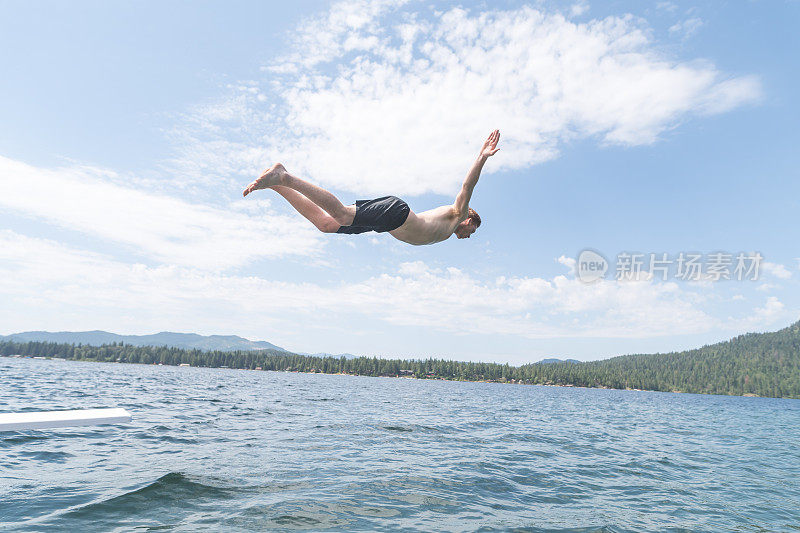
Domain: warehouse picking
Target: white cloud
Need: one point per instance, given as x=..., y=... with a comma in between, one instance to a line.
x=402, y=105
x=667, y=6
x=776, y=269
x=348, y=26
x=687, y=28
x=578, y=9
x=69, y=288
x=45, y=284
x=568, y=262
x=452, y=300
x=160, y=227
x=772, y=307
x=771, y=313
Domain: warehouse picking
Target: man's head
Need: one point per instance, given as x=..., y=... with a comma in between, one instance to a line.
x=468, y=227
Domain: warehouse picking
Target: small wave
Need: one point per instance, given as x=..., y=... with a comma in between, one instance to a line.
x=421, y=428
x=204, y=399
x=16, y=438
x=159, y=434
x=167, y=438
x=298, y=520
x=177, y=440
x=167, y=490
x=55, y=457
x=150, y=506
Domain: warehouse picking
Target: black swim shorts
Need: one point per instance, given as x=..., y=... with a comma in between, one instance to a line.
x=381, y=214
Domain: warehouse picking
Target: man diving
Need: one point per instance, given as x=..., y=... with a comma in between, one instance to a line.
x=386, y=214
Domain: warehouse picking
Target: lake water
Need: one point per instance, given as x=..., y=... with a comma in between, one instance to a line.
x=234, y=450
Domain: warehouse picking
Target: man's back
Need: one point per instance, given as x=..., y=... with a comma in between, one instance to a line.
x=428, y=227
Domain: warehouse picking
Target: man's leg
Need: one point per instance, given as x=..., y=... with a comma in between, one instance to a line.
x=277, y=176
x=322, y=220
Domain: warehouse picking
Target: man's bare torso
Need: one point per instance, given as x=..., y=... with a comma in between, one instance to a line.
x=428, y=227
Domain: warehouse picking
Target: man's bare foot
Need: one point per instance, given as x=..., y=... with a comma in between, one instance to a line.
x=271, y=177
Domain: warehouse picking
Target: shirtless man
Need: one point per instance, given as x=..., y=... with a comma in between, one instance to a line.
x=385, y=214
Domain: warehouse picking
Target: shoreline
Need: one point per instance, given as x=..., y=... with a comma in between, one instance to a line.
x=512, y=382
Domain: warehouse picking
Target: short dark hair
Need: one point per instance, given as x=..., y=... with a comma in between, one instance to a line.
x=475, y=217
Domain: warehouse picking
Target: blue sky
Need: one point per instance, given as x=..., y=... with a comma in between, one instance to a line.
x=130, y=129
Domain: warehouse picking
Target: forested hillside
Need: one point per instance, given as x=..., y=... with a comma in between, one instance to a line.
x=763, y=364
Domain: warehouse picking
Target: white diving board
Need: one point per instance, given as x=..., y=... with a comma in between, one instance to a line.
x=60, y=419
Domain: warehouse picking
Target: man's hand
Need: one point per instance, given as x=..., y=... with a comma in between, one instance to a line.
x=490, y=145
x=489, y=148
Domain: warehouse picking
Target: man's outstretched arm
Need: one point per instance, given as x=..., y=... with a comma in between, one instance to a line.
x=489, y=149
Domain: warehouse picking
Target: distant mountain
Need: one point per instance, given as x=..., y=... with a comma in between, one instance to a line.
x=554, y=360
x=186, y=341
x=325, y=354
